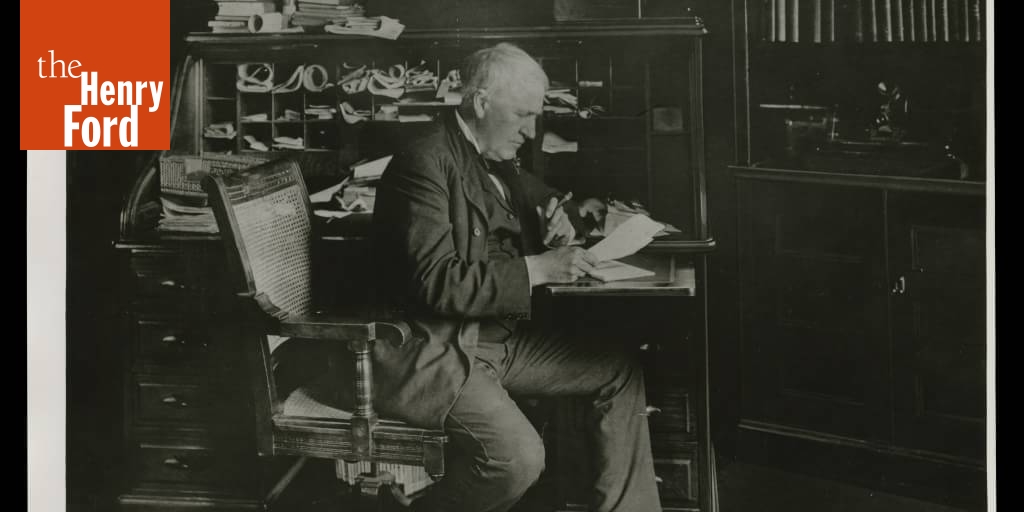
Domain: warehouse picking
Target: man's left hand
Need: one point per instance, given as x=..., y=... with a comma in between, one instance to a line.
x=556, y=228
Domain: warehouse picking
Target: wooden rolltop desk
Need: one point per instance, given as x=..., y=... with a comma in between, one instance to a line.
x=638, y=134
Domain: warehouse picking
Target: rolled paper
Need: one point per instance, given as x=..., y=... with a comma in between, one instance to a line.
x=310, y=81
x=293, y=82
x=256, y=77
x=266, y=22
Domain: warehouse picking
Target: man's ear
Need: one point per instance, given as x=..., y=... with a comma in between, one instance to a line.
x=480, y=102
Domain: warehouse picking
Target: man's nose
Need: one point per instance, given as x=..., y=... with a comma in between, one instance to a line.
x=529, y=129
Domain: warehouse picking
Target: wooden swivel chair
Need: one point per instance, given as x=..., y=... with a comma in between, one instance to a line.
x=265, y=220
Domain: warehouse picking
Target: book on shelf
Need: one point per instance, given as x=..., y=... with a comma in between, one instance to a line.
x=226, y=24
x=328, y=2
x=932, y=26
x=816, y=18
x=899, y=33
x=871, y=17
x=236, y=8
x=780, y=20
x=943, y=15
x=923, y=34
x=858, y=20
x=976, y=31
x=829, y=13
x=885, y=24
x=794, y=20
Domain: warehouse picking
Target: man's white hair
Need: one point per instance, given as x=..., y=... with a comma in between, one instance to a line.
x=501, y=65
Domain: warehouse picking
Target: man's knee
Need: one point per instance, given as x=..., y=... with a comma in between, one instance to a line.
x=517, y=465
x=629, y=371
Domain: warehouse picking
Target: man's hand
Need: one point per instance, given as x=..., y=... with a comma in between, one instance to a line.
x=556, y=228
x=595, y=209
x=561, y=265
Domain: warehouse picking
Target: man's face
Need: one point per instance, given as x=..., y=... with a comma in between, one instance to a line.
x=506, y=118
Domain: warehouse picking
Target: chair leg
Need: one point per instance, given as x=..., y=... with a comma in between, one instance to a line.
x=379, y=493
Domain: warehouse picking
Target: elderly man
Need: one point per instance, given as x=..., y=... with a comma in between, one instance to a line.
x=462, y=239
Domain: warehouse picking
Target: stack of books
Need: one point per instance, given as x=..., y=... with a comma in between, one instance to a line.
x=233, y=15
x=317, y=13
x=376, y=26
x=177, y=217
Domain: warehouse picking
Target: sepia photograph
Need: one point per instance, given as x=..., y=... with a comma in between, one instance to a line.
x=543, y=256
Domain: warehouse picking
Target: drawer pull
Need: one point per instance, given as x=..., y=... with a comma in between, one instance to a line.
x=174, y=400
x=176, y=463
x=649, y=410
x=171, y=283
x=172, y=340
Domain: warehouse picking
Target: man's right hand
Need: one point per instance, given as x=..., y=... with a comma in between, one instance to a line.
x=561, y=265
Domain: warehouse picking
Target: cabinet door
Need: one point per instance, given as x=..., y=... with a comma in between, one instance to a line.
x=937, y=268
x=814, y=335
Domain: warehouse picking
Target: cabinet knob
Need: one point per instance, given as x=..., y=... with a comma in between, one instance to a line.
x=177, y=463
x=172, y=340
x=649, y=410
x=900, y=287
x=174, y=400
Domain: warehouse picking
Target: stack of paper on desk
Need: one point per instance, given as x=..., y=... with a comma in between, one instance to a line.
x=613, y=270
x=628, y=238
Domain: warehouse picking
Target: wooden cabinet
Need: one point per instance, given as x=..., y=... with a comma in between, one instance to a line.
x=860, y=186
x=638, y=133
x=184, y=392
x=863, y=321
x=937, y=291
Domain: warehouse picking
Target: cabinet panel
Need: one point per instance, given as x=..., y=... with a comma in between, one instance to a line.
x=812, y=267
x=938, y=268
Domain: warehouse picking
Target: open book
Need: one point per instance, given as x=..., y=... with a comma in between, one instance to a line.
x=628, y=238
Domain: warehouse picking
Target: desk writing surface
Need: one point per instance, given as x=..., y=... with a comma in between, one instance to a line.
x=672, y=277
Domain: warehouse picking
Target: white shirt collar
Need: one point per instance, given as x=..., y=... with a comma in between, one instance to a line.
x=466, y=132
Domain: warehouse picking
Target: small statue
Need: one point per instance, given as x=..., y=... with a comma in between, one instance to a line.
x=893, y=114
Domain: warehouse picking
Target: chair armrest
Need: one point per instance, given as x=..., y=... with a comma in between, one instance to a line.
x=345, y=328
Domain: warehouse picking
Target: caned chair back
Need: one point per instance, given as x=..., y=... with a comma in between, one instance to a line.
x=267, y=211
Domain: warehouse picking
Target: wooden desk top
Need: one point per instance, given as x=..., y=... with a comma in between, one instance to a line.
x=672, y=277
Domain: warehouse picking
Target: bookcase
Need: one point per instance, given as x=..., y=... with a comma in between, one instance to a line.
x=636, y=128
x=859, y=184
x=819, y=77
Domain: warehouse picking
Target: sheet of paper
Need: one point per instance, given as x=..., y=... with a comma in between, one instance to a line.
x=371, y=169
x=628, y=238
x=617, y=271
x=325, y=195
x=331, y=214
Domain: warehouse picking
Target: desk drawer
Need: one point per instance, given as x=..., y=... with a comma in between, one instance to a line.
x=677, y=481
x=169, y=341
x=190, y=466
x=672, y=412
x=159, y=400
x=159, y=273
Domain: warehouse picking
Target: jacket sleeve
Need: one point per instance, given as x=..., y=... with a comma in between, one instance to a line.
x=413, y=218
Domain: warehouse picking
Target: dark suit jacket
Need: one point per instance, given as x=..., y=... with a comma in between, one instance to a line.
x=430, y=242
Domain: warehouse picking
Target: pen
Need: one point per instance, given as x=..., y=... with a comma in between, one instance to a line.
x=561, y=202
